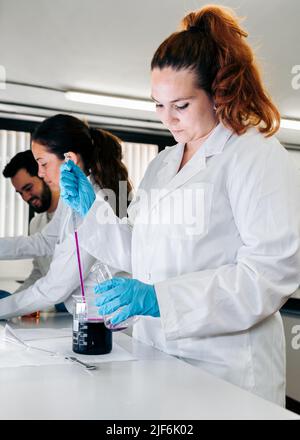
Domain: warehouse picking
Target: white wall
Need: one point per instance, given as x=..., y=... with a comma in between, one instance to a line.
x=10, y=271
x=16, y=269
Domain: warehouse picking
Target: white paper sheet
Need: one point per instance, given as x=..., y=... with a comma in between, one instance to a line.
x=31, y=334
x=14, y=352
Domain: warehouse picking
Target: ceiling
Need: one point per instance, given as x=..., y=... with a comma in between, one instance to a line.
x=105, y=46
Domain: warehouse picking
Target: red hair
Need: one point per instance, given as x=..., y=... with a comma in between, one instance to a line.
x=212, y=43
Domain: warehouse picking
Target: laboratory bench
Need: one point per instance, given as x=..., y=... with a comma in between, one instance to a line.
x=153, y=386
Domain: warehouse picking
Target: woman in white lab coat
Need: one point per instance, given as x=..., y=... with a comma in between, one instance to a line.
x=98, y=155
x=213, y=234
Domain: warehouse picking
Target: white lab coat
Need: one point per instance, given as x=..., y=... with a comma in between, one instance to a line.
x=40, y=264
x=62, y=280
x=39, y=244
x=220, y=281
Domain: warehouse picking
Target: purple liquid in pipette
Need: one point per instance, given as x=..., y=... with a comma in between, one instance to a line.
x=79, y=264
x=67, y=158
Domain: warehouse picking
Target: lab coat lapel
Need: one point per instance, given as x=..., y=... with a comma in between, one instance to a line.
x=170, y=166
x=166, y=174
x=168, y=178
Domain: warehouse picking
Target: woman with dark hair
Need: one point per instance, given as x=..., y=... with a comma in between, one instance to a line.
x=96, y=154
x=214, y=235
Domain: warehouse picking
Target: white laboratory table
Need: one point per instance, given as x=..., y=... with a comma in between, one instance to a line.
x=154, y=387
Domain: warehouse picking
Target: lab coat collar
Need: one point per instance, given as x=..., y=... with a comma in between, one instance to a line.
x=217, y=140
x=214, y=144
x=169, y=178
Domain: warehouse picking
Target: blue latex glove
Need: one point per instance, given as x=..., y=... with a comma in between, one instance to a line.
x=135, y=298
x=76, y=190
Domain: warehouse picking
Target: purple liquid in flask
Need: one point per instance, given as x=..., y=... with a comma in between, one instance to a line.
x=89, y=337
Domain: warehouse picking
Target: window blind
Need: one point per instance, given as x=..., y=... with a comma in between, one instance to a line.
x=137, y=158
x=13, y=211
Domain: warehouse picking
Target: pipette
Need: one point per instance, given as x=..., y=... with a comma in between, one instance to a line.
x=74, y=220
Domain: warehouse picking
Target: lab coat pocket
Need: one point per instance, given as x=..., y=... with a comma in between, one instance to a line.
x=185, y=212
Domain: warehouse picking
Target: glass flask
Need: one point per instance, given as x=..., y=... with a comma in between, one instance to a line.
x=102, y=273
x=90, y=336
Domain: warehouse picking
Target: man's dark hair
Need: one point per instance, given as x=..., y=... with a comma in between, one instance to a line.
x=23, y=160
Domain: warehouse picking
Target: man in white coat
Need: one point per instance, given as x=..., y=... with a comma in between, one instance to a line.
x=23, y=172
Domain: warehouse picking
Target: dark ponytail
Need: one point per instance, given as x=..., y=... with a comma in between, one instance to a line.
x=107, y=167
x=212, y=43
x=100, y=151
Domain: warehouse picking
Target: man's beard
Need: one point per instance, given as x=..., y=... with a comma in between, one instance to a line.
x=45, y=199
